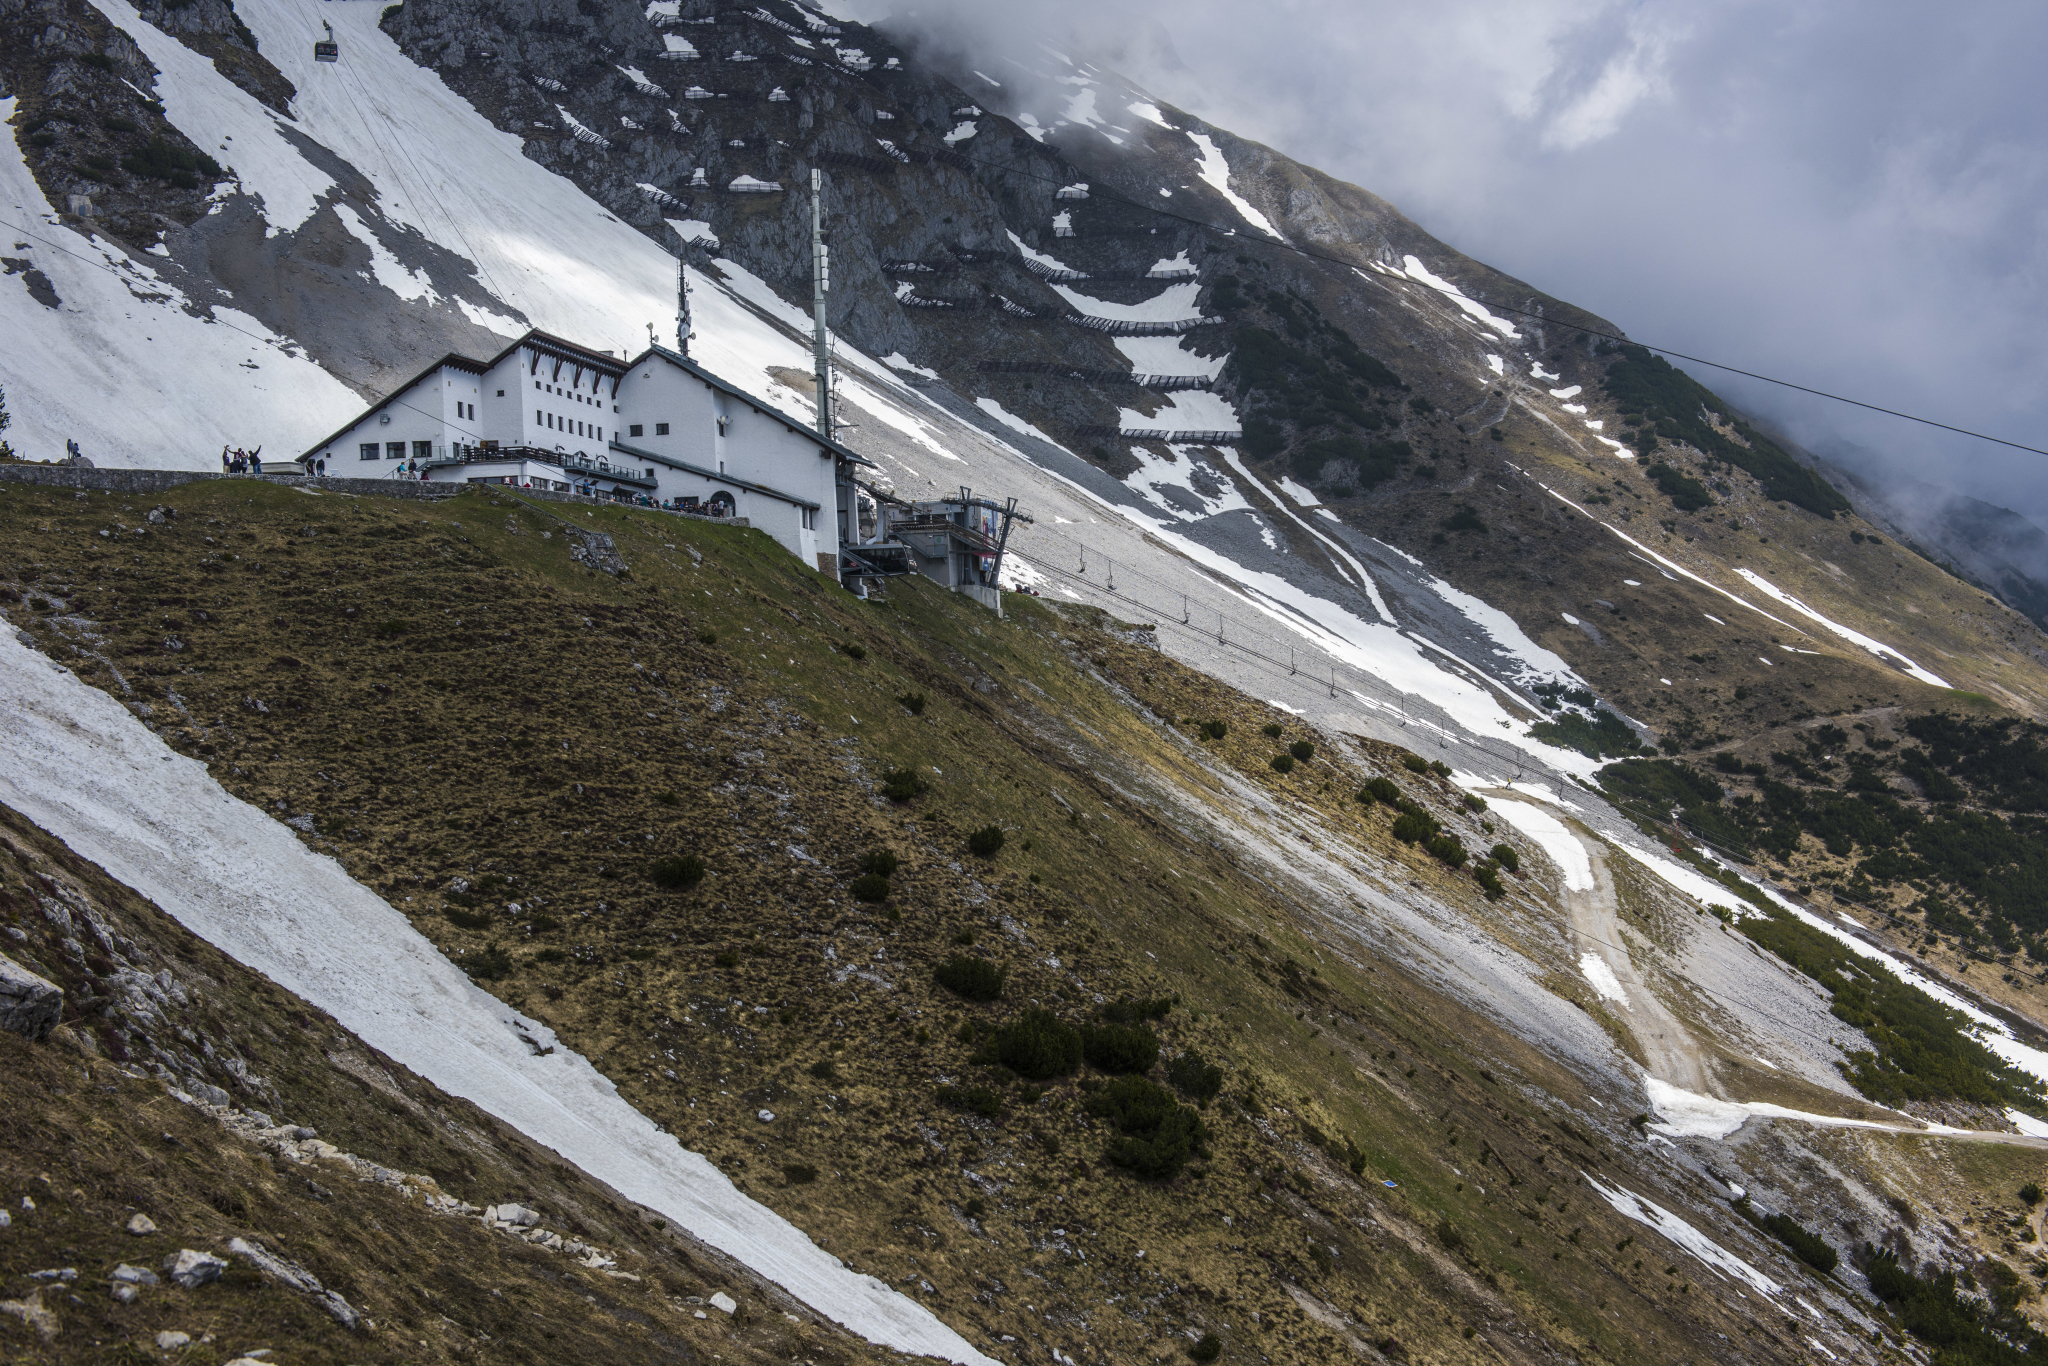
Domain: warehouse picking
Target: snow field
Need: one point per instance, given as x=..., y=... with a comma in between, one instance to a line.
x=1550, y=835
x=1856, y=638
x=1215, y=172
x=77, y=763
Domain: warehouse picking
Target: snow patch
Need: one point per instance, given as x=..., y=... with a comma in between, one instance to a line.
x=1012, y=421
x=1857, y=638
x=1216, y=172
x=1554, y=839
x=1300, y=495
x=902, y=362
x=1416, y=271
x=1605, y=984
x=1632, y=1206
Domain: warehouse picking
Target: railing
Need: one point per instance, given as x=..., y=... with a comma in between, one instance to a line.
x=569, y=463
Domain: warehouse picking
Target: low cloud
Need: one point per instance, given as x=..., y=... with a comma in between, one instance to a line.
x=1851, y=196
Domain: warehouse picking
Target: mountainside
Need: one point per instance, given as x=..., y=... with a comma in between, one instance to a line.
x=1462, y=846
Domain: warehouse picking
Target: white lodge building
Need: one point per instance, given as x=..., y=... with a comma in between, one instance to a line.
x=549, y=414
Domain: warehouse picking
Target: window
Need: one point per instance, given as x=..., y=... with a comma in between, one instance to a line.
x=394, y=450
x=536, y=384
x=367, y=451
x=810, y=519
x=501, y=393
x=423, y=450
x=661, y=429
x=633, y=430
x=536, y=417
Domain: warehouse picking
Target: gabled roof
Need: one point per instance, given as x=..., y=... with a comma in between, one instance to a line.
x=451, y=361
x=690, y=367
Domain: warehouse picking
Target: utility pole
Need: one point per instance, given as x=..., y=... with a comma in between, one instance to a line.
x=821, y=284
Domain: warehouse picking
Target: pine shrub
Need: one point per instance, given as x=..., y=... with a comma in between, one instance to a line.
x=985, y=1101
x=1413, y=828
x=902, y=784
x=1380, y=790
x=1415, y=763
x=1207, y=1348
x=1157, y=1135
x=1119, y=1048
x=677, y=871
x=1124, y=1010
x=1303, y=750
x=912, y=702
x=1283, y=763
x=1488, y=878
x=985, y=842
x=1215, y=730
x=881, y=862
x=1272, y=728
x=870, y=887
x=971, y=979
x=1448, y=850
x=1506, y=857
x=853, y=651
x=1195, y=1077
x=1036, y=1045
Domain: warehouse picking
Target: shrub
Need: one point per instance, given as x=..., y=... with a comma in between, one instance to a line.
x=1448, y=850
x=1685, y=492
x=912, y=702
x=1489, y=878
x=870, y=887
x=902, y=784
x=1215, y=730
x=1157, y=1134
x=985, y=1101
x=881, y=862
x=824, y=1069
x=1506, y=857
x=975, y=1207
x=1415, y=763
x=985, y=842
x=796, y=1174
x=1303, y=750
x=2030, y=1194
x=669, y=799
x=1272, y=728
x=1119, y=1048
x=971, y=979
x=1126, y=1011
x=1036, y=1045
x=1380, y=789
x=468, y=920
x=1195, y=1077
x=1473, y=802
x=853, y=651
x=1440, y=768
x=1464, y=519
x=1806, y=1245
x=1207, y=1349
x=727, y=959
x=707, y=637
x=677, y=871
x=488, y=965
x=1283, y=763
x=1413, y=828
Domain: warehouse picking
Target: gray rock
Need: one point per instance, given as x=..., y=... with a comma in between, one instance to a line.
x=141, y=1223
x=29, y=1005
x=298, y=1278
x=193, y=1269
x=724, y=1303
x=135, y=1275
x=170, y=1340
x=512, y=1214
x=63, y=1274
x=126, y=1293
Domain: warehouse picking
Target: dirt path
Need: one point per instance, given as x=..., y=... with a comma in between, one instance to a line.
x=1596, y=928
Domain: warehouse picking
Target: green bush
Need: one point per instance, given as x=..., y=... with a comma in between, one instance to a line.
x=1447, y=849
x=985, y=1101
x=1195, y=1077
x=669, y=799
x=468, y=920
x=1380, y=789
x=1440, y=768
x=1215, y=730
x=1036, y=1045
x=912, y=702
x=163, y=160
x=1283, y=763
x=2030, y=1194
x=853, y=651
x=707, y=637
x=1506, y=857
x=1272, y=728
x=1806, y=1245
x=1686, y=493
x=1488, y=878
x=1415, y=763
x=1303, y=750
x=985, y=842
x=726, y=959
x=971, y=979
x=1126, y=1011
x=1413, y=828
x=488, y=965
x=824, y=1069
x=1464, y=519
x=1157, y=1134
x=388, y=630
x=880, y=862
x=797, y=1174
x=872, y=888
x=1474, y=802
x=902, y=784
x=677, y=871
x=1119, y=1048
x=1208, y=1348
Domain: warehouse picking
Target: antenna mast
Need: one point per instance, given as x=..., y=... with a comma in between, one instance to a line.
x=821, y=283
x=683, y=332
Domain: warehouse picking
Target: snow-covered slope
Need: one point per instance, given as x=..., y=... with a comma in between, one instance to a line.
x=79, y=765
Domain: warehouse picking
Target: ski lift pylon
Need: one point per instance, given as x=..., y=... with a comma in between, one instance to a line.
x=326, y=49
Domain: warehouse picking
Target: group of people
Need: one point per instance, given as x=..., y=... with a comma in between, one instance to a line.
x=239, y=461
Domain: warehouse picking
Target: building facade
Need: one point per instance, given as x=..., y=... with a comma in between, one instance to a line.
x=547, y=413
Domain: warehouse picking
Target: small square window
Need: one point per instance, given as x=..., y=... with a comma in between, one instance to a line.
x=501, y=393
x=661, y=429
x=423, y=450
x=367, y=451
x=394, y=450
x=633, y=430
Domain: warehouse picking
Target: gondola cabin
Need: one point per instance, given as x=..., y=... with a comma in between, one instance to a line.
x=326, y=49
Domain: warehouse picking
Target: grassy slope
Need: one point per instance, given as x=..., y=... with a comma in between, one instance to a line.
x=91, y=1143
x=535, y=718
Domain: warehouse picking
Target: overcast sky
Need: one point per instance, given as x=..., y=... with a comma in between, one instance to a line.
x=1853, y=196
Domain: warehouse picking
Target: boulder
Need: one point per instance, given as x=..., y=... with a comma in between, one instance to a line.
x=134, y=1275
x=725, y=1303
x=170, y=1340
x=193, y=1269
x=512, y=1214
x=29, y=1005
x=141, y=1223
